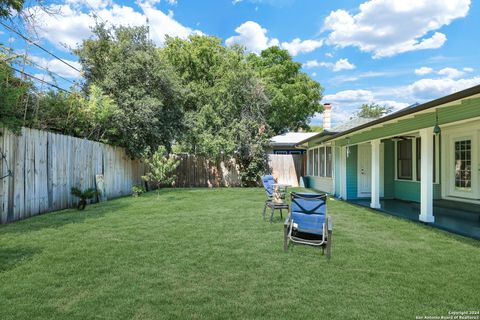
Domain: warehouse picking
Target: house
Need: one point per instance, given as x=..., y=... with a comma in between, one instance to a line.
x=422, y=162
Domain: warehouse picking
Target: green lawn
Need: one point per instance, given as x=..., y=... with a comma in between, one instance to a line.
x=207, y=254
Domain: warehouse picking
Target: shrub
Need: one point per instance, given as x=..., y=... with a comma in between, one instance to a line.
x=84, y=196
x=137, y=191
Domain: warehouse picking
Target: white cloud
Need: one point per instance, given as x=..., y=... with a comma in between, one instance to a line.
x=358, y=76
x=254, y=37
x=428, y=89
x=297, y=46
x=44, y=77
x=389, y=27
x=72, y=23
x=341, y=64
x=346, y=103
x=311, y=64
x=468, y=69
x=423, y=71
x=95, y=4
x=350, y=97
x=58, y=67
x=314, y=74
x=396, y=105
x=451, y=73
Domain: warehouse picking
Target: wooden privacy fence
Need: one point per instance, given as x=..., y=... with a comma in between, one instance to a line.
x=288, y=168
x=46, y=165
x=199, y=171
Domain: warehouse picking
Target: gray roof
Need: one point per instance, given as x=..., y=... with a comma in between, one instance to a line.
x=291, y=138
x=351, y=124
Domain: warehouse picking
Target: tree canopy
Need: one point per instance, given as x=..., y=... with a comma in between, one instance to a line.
x=294, y=96
x=373, y=110
x=194, y=95
x=126, y=66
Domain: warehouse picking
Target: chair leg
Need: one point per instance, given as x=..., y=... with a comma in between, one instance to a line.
x=329, y=245
x=281, y=215
x=271, y=215
x=264, y=210
x=285, y=237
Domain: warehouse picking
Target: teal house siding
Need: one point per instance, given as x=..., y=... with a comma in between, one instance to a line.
x=410, y=190
x=352, y=173
x=407, y=190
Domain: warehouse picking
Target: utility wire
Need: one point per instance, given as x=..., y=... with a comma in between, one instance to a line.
x=36, y=65
x=41, y=80
x=31, y=62
x=38, y=46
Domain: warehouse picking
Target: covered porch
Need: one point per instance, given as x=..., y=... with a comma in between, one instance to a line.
x=463, y=218
x=430, y=173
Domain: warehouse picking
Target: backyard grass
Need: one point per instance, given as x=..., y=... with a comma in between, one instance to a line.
x=207, y=254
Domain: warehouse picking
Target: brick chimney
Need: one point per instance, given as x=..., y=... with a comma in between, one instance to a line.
x=327, y=116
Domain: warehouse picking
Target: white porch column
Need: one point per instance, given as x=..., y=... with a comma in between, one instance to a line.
x=343, y=173
x=426, y=180
x=375, y=203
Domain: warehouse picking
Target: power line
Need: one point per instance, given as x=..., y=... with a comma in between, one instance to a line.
x=49, y=71
x=38, y=46
x=33, y=63
x=41, y=80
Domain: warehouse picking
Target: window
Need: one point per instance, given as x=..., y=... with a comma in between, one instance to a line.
x=463, y=164
x=419, y=158
x=310, y=162
x=404, y=159
x=321, y=163
x=328, y=161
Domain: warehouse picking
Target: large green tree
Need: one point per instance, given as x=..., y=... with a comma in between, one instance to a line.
x=126, y=66
x=225, y=103
x=294, y=96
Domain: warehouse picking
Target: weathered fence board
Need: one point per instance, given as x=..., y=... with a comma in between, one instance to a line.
x=199, y=171
x=287, y=168
x=46, y=166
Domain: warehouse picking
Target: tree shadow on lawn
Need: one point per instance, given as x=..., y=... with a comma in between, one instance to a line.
x=59, y=219
x=10, y=258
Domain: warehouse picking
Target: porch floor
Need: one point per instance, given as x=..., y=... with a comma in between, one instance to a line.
x=453, y=216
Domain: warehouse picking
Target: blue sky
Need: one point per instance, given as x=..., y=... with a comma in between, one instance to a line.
x=394, y=52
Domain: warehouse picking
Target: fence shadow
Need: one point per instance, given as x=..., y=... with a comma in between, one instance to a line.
x=10, y=258
x=59, y=219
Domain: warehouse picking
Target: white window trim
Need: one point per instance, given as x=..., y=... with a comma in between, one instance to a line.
x=414, y=162
x=316, y=151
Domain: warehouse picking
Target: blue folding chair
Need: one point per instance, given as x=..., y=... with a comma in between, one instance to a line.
x=308, y=222
x=269, y=185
